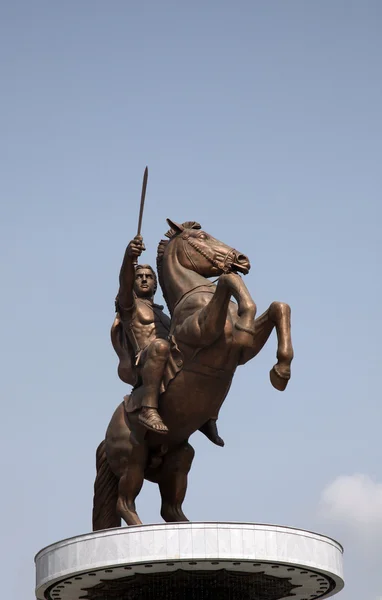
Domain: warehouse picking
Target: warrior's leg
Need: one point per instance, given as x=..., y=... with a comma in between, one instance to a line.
x=154, y=361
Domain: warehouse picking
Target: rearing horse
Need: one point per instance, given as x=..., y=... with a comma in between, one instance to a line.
x=214, y=335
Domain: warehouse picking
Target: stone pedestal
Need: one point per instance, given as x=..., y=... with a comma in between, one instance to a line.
x=191, y=561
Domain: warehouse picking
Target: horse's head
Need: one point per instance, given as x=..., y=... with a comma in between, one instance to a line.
x=204, y=254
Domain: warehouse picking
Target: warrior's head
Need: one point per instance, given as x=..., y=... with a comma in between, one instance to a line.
x=145, y=284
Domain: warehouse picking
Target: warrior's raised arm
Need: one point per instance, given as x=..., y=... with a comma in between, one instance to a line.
x=127, y=272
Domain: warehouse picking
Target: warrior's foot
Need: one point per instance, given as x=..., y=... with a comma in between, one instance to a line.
x=279, y=376
x=210, y=430
x=149, y=417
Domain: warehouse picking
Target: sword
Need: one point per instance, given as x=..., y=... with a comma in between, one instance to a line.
x=143, y=196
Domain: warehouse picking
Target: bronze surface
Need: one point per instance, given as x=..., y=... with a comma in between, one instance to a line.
x=181, y=369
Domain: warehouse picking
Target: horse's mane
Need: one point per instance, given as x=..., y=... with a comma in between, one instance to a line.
x=171, y=234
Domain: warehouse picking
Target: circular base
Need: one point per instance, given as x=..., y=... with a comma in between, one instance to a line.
x=191, y=560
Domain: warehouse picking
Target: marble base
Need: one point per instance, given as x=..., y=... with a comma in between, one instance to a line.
x=243, y=561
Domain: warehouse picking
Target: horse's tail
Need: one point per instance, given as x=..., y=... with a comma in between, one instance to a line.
x=105, y=493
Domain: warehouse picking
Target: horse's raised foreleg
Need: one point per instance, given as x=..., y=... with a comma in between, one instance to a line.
x=173, y=482
x=246, y=307
x=279, y=313
x=278, y=316
x=204, y=327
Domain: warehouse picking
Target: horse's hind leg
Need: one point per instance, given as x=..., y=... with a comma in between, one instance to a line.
x=130, y=484
x=173, y=482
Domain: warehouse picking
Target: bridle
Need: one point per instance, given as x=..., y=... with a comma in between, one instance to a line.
x=220, y=261
x=223, y=262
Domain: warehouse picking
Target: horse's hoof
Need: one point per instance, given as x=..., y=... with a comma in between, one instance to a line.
x=278, y=381
x=173, y=515
x=210, y=430
x=218, y=441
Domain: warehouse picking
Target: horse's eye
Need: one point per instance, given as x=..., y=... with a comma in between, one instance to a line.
x=202, y=236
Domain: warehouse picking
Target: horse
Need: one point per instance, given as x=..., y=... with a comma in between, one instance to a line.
x=215, y=329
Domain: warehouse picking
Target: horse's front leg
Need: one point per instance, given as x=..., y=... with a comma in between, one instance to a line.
x=280, y=373
x=244, y=322
x=229, y=285
x=278, y=316
x=204, y=326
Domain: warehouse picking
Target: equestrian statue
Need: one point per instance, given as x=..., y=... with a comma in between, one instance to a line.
x=181, y=368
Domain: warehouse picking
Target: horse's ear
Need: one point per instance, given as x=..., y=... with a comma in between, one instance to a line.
x=175, y=226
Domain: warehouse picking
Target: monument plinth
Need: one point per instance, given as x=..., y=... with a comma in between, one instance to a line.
x=191, y=561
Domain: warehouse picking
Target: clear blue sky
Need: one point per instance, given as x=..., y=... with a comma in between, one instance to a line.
x=261, y=120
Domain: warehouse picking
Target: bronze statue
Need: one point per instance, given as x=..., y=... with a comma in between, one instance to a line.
x=140, y=338
x=208, y=337
x=146, y=328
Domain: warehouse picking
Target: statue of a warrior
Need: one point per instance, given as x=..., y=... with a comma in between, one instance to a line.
x=140, y=336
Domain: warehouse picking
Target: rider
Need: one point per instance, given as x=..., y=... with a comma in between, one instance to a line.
x=147, y=329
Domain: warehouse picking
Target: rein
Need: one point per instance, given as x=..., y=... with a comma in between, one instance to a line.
x=189, y=292
x=222, y=262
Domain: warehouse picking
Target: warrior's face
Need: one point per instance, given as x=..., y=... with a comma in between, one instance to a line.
x=144, y=285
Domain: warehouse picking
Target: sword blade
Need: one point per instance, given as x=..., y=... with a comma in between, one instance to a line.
x=143, y=195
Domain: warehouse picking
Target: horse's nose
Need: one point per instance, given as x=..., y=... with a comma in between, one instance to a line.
x=242, y=259
x=242, y=263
